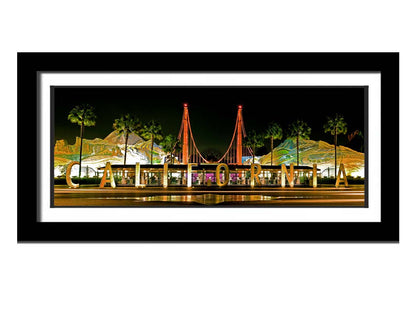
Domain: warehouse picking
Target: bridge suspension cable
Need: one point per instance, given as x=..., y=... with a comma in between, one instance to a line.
x=190, y=152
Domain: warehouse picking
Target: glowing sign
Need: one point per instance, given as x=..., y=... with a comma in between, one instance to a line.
x=189, y=175
x=290, y=177
x=137, y=178
x=68, y=175
x=254, y=174
x=341, y=170
x=226, y=174
x=165, y=175
x=255, y=171
x=104, y=179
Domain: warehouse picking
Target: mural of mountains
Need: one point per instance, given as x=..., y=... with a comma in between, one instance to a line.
x=316, y=152
x=96, y=152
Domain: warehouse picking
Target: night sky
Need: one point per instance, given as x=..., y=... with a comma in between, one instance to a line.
x=212, y=110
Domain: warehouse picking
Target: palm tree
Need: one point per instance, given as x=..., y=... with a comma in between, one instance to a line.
x=273, y=132
x=84, y=116
x=153, y=131
x=254, y=140
x=300, y=130
x=170, y=144
x=336, y=125
x=125, y=125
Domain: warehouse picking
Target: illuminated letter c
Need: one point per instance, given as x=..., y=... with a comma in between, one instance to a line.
x=68, y=174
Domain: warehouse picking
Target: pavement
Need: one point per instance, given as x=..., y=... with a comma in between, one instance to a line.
x=230, y=196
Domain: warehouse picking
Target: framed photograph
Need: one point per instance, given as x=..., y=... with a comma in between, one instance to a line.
x=208, y=147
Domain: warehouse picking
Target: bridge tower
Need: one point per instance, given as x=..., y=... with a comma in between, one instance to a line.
x=236, y=150
x=190, y=152
x=239, y=147
x=185, y=143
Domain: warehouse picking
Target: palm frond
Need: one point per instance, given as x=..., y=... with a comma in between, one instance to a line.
x=299, y=128
x=336, y=125
x=152, y=129
x=82, y=114
x=274, y=131
x=127, y=124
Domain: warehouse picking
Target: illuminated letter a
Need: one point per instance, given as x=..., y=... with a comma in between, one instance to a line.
x=341, y=169
x=104, y=179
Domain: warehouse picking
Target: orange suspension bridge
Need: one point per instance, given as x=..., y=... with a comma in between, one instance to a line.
x=191, y=154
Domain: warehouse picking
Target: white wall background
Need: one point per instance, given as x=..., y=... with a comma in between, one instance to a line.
x=214, y=277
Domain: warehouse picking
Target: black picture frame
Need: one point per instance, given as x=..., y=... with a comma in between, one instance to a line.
x=31, y=230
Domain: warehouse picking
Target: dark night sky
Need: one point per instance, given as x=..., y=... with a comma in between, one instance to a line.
x=212, y=110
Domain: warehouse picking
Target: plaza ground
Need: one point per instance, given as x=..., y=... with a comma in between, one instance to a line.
x=326, y=196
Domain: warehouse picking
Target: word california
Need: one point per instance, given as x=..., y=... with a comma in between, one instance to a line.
x=221, y=170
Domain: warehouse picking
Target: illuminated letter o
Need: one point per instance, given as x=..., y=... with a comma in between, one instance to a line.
x=226, y=174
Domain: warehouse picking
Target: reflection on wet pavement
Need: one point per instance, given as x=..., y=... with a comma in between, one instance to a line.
x=205, y=199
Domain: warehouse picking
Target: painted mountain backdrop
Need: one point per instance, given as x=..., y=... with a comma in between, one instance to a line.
x=316, y=152
x=96, y=152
